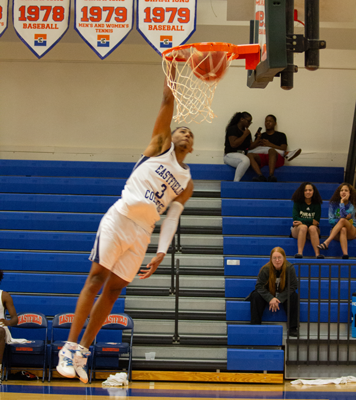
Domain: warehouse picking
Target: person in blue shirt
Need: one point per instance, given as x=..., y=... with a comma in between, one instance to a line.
x=342, y=217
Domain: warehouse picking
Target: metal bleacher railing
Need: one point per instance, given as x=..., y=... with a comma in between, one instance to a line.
x=324, y=292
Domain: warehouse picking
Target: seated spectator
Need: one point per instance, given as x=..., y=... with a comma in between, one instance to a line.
x=269, y=149
x=6, y=303
x=272, y=289
x=342, y=217
x=237, y=141
x=306, y=217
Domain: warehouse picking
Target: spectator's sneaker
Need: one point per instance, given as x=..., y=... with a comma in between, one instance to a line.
x=65, y=360
x=320, y=256
x=80, y=363
x=291, y=155
x=259, y=178
x=298, y=255
x=272, y=178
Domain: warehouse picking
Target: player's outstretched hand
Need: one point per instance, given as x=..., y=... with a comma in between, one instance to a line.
x=146, y=272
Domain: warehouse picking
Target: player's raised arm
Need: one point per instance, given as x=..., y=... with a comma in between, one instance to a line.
x=161, y=135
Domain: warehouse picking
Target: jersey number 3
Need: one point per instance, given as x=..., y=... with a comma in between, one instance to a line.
x=160, y=195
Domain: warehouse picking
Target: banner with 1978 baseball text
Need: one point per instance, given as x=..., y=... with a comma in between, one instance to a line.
x=103, y=24
x=4, y=6
x=166, y=23
x=40, y=24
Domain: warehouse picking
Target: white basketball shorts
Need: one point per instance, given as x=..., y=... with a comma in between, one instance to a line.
x=120, y=245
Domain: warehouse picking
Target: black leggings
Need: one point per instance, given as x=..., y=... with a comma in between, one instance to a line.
x=258, y=304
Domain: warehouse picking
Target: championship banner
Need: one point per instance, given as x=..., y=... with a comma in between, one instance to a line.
x=103, y=24
x=166, y=24
x=4, y=6
x=261, y=17
x=40, y=24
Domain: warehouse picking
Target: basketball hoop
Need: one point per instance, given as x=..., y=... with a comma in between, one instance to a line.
x=194, y=70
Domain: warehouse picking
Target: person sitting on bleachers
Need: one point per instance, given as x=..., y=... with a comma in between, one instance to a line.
x=342, y=217
x=269, y=148
x=272, y=289
x=306, y=217
x=237, y=141
x=6, y=303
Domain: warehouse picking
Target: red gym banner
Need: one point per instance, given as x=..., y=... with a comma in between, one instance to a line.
x=260, y=16
x=166, y=24
x=4, y=6
x=40, y=24
x=103, y=24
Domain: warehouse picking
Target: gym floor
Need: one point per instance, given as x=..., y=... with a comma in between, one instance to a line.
x=75, y=390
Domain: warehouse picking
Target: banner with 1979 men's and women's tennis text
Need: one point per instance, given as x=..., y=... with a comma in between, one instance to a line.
x=4, y=6
x=103, y=24
x=166, y=23
x=40, y=24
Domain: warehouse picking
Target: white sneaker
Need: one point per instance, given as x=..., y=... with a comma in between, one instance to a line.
x=291, y=155
x=80, y=363
x=65, y=360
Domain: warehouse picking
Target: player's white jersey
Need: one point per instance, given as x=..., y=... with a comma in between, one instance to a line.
x=154, y=183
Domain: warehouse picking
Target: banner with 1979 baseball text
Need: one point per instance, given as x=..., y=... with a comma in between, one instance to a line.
x=166, y=23
x=4, y=6
x=103, y=24
x=40, y=24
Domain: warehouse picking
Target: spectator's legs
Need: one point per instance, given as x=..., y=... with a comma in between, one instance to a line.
x=343, y=223
x=255, y=162
x=294, y=305
x=272, y=160
x=257, y=306
x=314, y=238
x=238, y=161
x=343, y=240
x=300, y=232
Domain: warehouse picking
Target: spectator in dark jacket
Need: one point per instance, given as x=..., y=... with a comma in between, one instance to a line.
x=272, y=289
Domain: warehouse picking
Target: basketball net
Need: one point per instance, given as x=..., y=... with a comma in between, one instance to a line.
x=193, y=91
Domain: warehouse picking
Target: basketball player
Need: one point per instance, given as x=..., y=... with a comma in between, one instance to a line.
x=160, y=178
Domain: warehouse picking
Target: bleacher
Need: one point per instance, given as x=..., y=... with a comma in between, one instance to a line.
x=50, y=211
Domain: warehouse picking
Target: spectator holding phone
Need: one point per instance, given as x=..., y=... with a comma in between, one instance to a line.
x=238, y=141
x=269, y=148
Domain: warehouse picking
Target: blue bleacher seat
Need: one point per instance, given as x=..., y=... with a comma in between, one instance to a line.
x=240, y=311
x=261, y=246
x=53, y=304
x=268, y=190
x=255, y=360
x=241, y=287
x=56, y=203
x=254, y=335
x=44, y=185
x=261, y=226
x=250, y=266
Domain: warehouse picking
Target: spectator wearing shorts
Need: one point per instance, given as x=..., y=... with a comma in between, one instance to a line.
x=270, y=147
